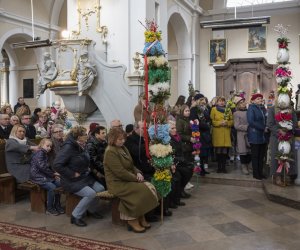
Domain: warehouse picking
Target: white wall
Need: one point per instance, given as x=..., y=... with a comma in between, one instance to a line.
x=238, y=48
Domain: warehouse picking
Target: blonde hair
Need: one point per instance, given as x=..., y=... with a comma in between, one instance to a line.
x=43, y=142
x=15, y=128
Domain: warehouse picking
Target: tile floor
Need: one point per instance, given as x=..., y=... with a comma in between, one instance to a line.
x=215, y=217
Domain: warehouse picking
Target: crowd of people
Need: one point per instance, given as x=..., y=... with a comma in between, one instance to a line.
x=116, y=159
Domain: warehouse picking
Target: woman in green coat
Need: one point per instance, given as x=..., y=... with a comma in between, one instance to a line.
x=126, y=182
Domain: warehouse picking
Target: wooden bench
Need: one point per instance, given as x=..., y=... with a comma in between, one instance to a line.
x=72, y=200
x=7, y=189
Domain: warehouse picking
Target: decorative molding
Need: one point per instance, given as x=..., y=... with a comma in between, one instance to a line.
x=188, y=5
x=12, y=18
x=23, y=68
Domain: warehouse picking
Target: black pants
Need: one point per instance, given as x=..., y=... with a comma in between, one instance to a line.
x=258, y=152
x=245, y=159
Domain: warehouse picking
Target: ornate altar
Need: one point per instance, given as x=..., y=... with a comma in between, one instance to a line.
x=245, y=74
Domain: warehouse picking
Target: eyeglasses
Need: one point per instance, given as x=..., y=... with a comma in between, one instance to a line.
x=26, y=118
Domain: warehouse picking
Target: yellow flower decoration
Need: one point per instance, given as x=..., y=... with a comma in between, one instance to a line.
x=163, y=175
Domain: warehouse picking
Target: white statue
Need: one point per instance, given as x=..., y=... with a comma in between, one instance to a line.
x=86, y=73
x=48, y=74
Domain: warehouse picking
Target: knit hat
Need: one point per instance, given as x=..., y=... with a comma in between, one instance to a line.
x=256, y=95
x=238, y=99
x=93, y=126
x=198, y=96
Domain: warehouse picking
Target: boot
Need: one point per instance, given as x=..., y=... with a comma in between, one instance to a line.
x=223, y=164
x=250, y=169
x=143, y=222
x=219, y=158
x=245, y=169
x=57, y=204
x=134, y=225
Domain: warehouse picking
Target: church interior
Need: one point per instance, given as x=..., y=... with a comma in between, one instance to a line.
x=89, y=58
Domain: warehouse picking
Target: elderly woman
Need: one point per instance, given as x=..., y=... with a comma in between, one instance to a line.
x=72, y=163
x=125, y=181
x=18, y=152
x=57, y=136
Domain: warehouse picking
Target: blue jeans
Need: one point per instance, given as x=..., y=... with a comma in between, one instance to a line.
x=51, y=197
x=88, y=201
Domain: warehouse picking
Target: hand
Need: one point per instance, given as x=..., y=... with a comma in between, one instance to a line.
x=56, y=174
x=76, y=174
x=56, y=177
x=173, y=168
x=139, y=177
x=34, y=148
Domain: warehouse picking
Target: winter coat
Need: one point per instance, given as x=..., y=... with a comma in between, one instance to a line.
x=41, y=171
x=69, y=160
x=273, y=126
x=30, y=131
x=241, y=126
x=136, y=146
x=220, y=134
x=136, y=198
x=18, y=158
x=4, y=133
x=96, y=151
x=183, y=128
x=256, y=117
x=203, y=116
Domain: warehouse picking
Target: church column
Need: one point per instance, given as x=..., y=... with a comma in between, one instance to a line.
x=195, y=75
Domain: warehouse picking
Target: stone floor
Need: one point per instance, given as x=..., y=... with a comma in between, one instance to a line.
x=215, y=217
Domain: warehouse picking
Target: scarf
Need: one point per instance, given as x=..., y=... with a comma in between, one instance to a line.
x=23, y=142
x=220, y=109
x=176, y=137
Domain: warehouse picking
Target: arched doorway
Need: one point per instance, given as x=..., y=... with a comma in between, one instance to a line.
x=179, y=56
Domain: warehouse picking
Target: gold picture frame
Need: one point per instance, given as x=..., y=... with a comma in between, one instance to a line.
x=217, y=51
x=257, y=39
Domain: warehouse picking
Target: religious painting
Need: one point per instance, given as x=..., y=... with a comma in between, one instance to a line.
x=257, y=39
x=217, y=51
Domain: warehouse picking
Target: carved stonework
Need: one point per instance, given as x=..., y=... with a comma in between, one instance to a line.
x=245, y=74
x=80, y=117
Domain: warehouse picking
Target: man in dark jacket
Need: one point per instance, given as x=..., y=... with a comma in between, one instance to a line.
x=96, y=146
x=21, y=103
x=30, y=129
x=135, y=143
x=5, y=126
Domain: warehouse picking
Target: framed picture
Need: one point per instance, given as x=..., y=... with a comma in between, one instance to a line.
x=217, y=51
x=257, y=39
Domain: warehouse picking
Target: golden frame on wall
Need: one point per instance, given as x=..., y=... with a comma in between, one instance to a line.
x=257, y=39
x=217, y=51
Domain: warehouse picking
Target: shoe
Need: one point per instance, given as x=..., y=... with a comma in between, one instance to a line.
x=95, y=215
x=257, y=178
x=78, y=222
x=151, y=218
x=231, y=159
x=188, y=186
x=143, y=222
x=185, y=195
x=167, y=213
x=263, y=177
x=205, y=172
x=173, y=205
x=52, y=211
x=134, y=225
x=237, y=158
x=60, y=210
x=224, y=171
x=205, y=165
x=180, y=203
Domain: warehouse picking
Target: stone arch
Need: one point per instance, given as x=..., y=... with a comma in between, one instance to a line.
x=180, y=54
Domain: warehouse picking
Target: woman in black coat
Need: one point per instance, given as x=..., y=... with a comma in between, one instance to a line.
x=184, y=169
x=72, y=163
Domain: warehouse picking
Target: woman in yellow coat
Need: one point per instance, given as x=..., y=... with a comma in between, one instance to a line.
x=222, y=122
x=125, y=181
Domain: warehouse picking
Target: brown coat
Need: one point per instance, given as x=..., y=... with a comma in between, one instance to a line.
x=241, y=126
x=136, y=199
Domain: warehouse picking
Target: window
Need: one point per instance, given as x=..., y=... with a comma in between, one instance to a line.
x=238, y=3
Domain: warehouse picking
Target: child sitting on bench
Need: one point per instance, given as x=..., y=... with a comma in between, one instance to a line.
x=42, y=174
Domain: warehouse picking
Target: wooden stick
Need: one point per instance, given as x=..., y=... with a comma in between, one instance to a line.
x=162, y=211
